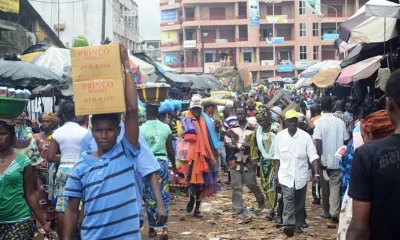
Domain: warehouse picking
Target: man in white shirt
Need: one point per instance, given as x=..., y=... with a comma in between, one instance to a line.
x=293, y=149
x=330, y=134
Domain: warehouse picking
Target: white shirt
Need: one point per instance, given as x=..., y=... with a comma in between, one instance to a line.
x=293, y=154
x=332, y=131
x=69, y=137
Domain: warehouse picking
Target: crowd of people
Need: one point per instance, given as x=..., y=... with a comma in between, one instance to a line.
x=87, y=179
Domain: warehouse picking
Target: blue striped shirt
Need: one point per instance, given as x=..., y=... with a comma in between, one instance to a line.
x=106, y=186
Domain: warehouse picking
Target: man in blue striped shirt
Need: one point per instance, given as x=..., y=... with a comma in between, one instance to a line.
x=105, y=180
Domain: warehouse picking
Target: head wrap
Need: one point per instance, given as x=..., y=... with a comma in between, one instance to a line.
x=250, y=103
x=166, y=107
x=291, y=114
x=377, y=124
x=177, y=105
x=51, y=116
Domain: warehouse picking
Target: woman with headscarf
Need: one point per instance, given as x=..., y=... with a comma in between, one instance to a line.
x=68, y=139
x=375, y=126
x=17, y=195
x=46, y=170
x=261, y=149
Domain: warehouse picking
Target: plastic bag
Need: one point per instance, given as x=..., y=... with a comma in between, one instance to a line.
x=181, y=149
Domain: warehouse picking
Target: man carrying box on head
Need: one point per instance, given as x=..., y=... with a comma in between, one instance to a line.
x=105, y=180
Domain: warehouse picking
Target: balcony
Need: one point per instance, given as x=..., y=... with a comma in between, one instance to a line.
x=168, y=2
x=214, y=21
x=171, y=44
x=210, y=1
x=170, y=25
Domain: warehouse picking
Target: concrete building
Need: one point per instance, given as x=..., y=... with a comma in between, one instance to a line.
x=152, y=47
x=70, y=19
x=229, y=30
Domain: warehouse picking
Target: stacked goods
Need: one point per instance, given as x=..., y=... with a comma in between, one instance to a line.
x=153, y=92
x=13, y=102
x=97, y=78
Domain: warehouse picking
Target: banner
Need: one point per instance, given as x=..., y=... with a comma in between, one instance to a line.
x=277, y=18
x=254, y=13
x=10, y=6
x=168, y=15
x=315, y=6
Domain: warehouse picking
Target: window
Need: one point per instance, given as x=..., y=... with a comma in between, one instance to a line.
x=277, y=10
x=303, y=29
x=333, y=9
x=267, y=32
x=315, y=29
x=316, y=52
x=303, y=52
x=217, y=13
x=302, y=7
x=209, y=57
x=284, y=56
x=189, y=12
x=247, y=57
x=284, y=32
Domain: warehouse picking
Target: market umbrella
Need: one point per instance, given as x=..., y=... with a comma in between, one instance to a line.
x=13, y=73
x=303, y=82
x=343, y=46
x=360, y=70
x=325, y=78
x=366, y=29
x=316, y=68
x=381, y=8
x=144, y=67
x=165, y=68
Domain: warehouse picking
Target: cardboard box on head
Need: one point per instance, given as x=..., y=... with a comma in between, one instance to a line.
x=98, y=80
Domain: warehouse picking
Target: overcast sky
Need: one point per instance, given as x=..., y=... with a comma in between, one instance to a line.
x=149, y=18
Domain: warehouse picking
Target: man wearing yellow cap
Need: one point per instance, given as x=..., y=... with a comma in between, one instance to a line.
x=293, y=148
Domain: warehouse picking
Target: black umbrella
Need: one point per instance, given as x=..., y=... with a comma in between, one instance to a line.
x=23, y=74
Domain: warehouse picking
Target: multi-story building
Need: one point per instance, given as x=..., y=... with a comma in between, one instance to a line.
x=152, y=47
x=225, y=34
x=70, y=19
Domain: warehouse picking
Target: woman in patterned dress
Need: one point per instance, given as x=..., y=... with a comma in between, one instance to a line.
x=17, y=193
x=46, y=170
x=261, y=148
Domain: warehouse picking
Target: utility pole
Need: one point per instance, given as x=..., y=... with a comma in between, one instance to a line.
x=58, y=20
x=103, y=22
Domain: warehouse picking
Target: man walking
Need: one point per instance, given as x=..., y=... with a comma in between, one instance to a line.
x=329, y=134
x=294, y=148
x=242, y=168
x=339, y=113
x=375, y=179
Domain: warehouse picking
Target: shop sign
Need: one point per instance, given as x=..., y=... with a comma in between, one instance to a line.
x=189, y=43
x=285, y=68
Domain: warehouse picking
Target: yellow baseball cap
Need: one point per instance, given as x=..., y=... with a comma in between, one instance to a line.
x=291, y=114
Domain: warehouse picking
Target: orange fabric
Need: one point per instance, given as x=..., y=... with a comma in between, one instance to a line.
x=199, y=151
x=378, y=124
x=316, y=118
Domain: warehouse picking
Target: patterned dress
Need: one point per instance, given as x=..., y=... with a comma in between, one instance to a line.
x=45, y=179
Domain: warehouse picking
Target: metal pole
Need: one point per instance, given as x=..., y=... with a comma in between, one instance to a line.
x=273, y=34
x=103, y=22
x=58, y=21
x=202, y=50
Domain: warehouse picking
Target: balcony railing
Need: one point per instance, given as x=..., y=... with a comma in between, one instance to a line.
x=262, y=39
x=192, y=65
x=219, y=40
x=162, y=3
x=170, y=23
x=171, y=44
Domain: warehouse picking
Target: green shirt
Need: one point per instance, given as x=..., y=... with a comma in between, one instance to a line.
x=13, y=207
x=156, y=134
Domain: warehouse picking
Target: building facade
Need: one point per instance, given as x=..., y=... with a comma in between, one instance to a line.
x=70, y=19
x=152, y=47
x=236, y=33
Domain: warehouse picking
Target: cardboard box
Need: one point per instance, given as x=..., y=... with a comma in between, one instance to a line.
x=98, y=80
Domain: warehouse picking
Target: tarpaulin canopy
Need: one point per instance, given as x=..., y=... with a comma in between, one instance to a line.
x=144, y=67
x=325, y=78
x=360, y=70
x=366, y=29
x=382, y=8
x=316, y=68
x=165, y=68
